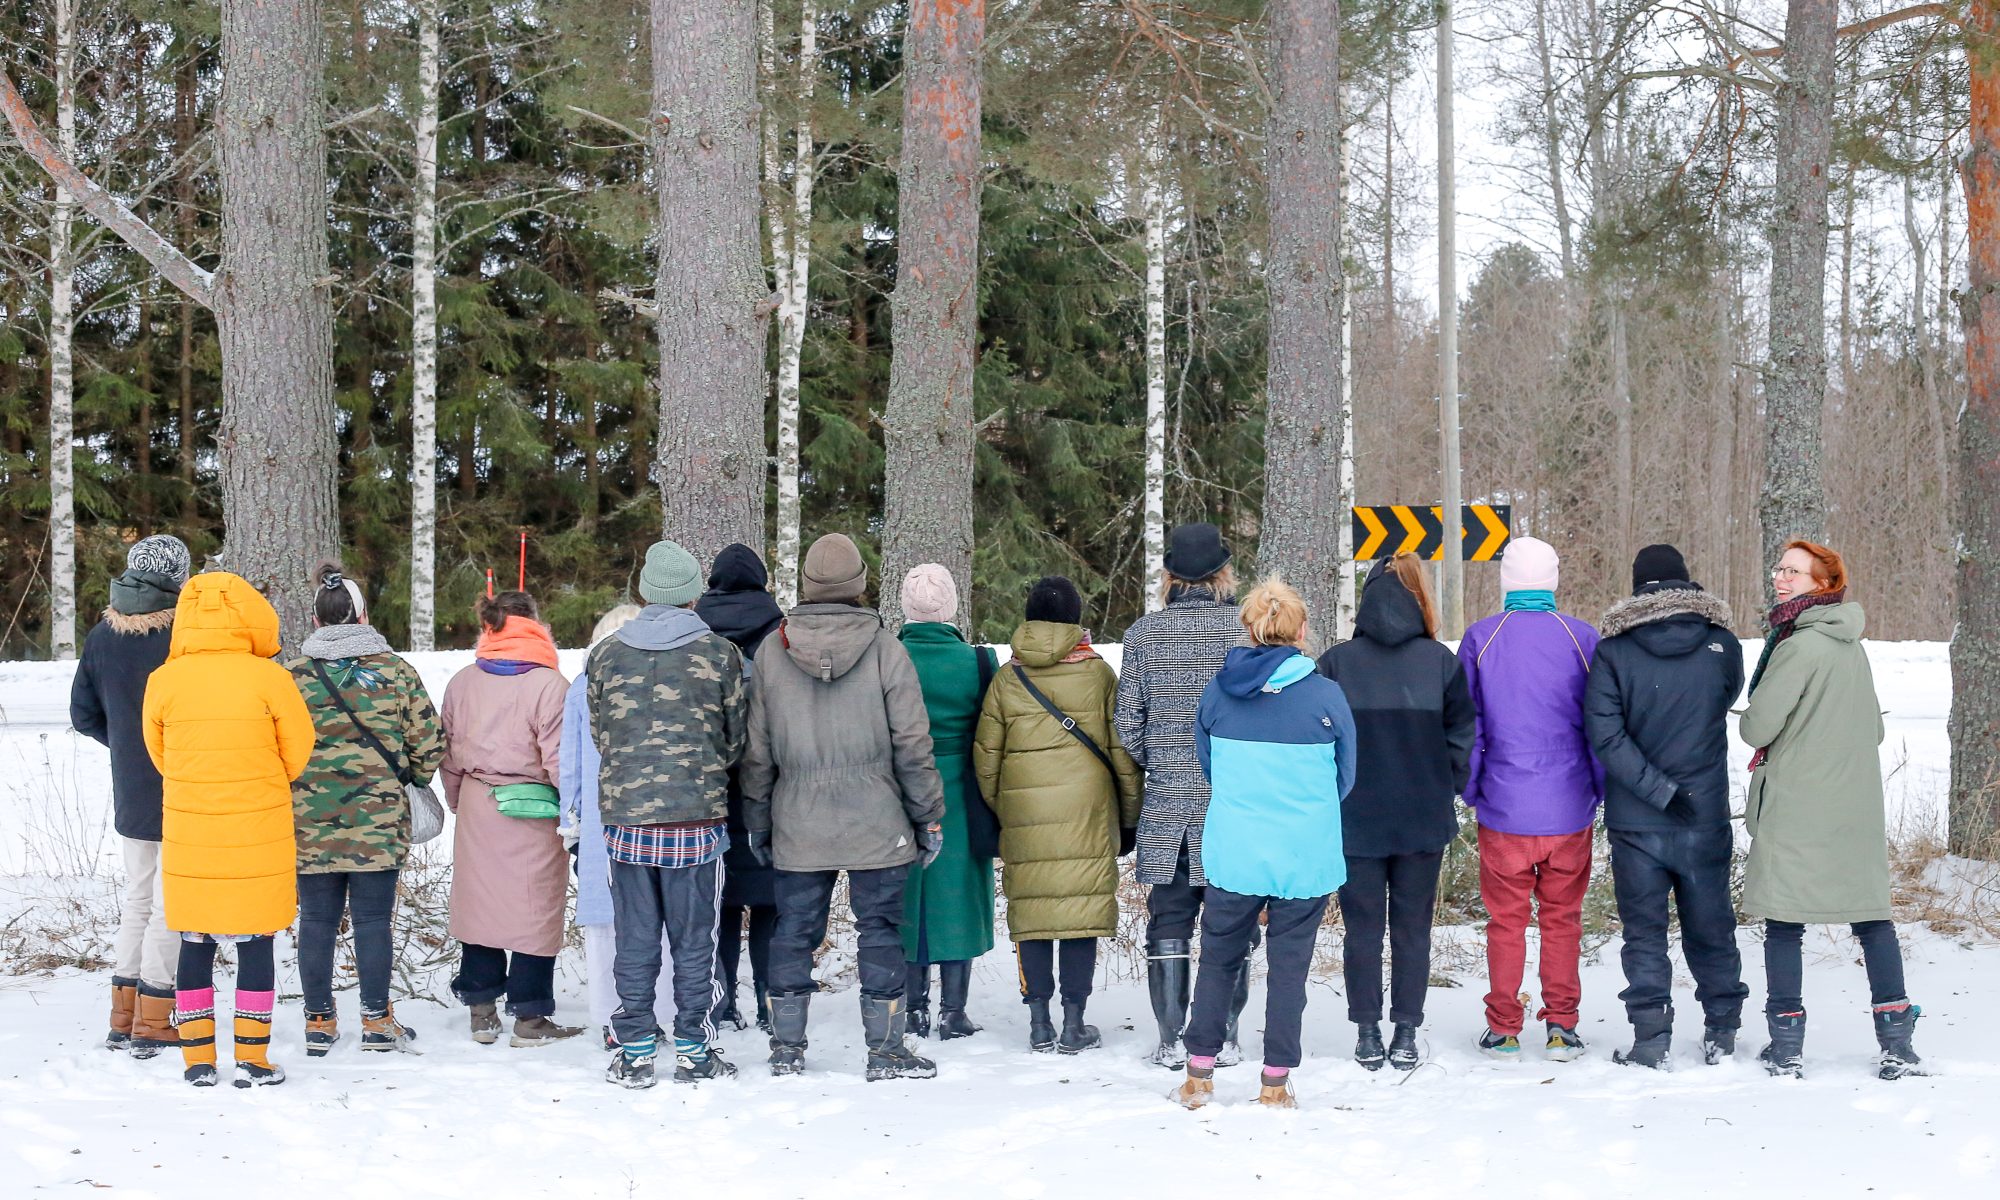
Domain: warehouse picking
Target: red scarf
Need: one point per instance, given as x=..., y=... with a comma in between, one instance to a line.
x=1082, y=650
x=1784, y=621
x=519, y=640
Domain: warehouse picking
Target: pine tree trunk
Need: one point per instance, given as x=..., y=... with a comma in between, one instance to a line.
x=935, y=310
x=62, y=338
x=1794, y=502
x=1303, y=430
x=1975, y=646
x=1155, y=203
x=272, y=311
x=712, y=462
x=792, y=300
x=424, y=338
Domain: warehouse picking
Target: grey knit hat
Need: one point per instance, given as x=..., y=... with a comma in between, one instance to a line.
x=162, y=554
x=834, y=571
x=671, y=576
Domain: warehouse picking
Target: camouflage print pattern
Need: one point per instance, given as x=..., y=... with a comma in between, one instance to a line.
x=669, y=725
x=350, y=812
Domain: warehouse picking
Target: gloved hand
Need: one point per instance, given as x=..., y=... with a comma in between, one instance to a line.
x=1128, y=840
x=760, y=846
x=930, y=840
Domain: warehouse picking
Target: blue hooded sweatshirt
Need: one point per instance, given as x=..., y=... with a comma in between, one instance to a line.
x=1276, y=740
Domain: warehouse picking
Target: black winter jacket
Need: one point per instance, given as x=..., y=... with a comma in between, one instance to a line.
x=1657, y=707
x=1413, y=725
x=738, y=606
x=105, y=697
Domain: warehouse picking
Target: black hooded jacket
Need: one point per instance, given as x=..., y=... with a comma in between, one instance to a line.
x=737, y=604
x=1413, y=724
x=1657, y=708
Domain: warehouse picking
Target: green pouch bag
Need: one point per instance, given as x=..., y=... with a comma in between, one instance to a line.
x=529, y=801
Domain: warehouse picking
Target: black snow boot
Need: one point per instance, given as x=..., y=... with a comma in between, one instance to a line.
x=954, y=983
x=1652, y=1040
x=1232, y=1051
x=1894, y=1026
x=1075, y=1034
x=763, y=1007
x=1718, y=1043
x=1167, y=978
x=1786, y=1053
x=1368, y=1049
x=917, y=997
x=788, y=1032
x=725, y=1014
x=1041, y=1030
x=1403, y=1047
x=882, y=1025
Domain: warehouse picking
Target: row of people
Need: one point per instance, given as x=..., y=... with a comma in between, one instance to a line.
x=910, y=761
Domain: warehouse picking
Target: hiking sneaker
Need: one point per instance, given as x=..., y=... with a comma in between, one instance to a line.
x=1403, y=1048
x=1717, y=1044
x=1563, y=1044
x=485, y=1022
x=382, y=1032
x=531, y=1032
x=322, y=1031
x=630, y=1072
x=202, y=1075
x=1368, y=1049
x=1503, y=1047
x=249, y=1074
x=694, y=1066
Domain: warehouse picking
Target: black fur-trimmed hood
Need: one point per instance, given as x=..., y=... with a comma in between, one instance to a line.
x=1660, y=603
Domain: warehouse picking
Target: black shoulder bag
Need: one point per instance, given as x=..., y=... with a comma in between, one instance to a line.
x=1067, y=722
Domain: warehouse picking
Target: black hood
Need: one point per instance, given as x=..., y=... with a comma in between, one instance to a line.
x=1667, y=619
x=736, y=604
x=1389, y=614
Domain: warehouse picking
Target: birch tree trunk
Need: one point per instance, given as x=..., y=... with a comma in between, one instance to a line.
x=1793, y=504
x=1303, y=429
x=1552, y=148
x=1344, y=598
x=1975, y=645
x=935, y=309
x=424, y=339
x=1155, y=205
x=710, y=285
x=62, y=336
x=793, y=295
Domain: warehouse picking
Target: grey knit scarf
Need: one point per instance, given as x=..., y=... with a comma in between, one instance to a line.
x=343, y=641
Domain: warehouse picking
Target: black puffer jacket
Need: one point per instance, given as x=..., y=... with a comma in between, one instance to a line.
x=1657, y=707
x=738, y=606
x=105, y=697
x=1413, y=725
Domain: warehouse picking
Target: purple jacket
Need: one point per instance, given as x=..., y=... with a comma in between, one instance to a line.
x=1532, y=769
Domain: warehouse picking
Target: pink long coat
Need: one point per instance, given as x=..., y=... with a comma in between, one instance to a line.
x=510, y=876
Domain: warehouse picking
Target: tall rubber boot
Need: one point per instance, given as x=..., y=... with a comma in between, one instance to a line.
x=1168, y=981
x=1232, y=1052
x=889, y=1057
x=917, y=998
x=788, y=1032
x=954, y=985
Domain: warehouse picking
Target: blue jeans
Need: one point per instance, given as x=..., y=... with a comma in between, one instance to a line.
x=371, y=898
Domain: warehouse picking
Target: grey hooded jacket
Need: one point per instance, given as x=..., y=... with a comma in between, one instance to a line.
x=839, y=764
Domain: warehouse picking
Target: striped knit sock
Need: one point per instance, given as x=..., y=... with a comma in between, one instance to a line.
x=194, y=1018
x=253, y=1027
x=644, y=1049
x=696, y=1052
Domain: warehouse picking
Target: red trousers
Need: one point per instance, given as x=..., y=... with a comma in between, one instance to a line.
x=1553, y=871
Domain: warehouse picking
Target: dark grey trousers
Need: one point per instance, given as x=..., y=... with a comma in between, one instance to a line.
x=687, y=903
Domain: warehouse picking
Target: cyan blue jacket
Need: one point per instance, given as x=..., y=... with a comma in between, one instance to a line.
x=1276, y=740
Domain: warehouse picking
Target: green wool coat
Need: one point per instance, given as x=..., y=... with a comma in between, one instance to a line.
x=949, y=904
x=1060, y=811
x=1819, y=850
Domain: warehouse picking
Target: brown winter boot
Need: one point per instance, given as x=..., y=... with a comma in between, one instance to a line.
x=153, y=1027
x=1198, y=1089
x=485, y=1023
x=383, y=1032
x=530, y=1032
x=1276, y=1091
x=124, y=1007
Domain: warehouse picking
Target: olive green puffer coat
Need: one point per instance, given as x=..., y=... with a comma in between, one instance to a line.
x=1060, y=811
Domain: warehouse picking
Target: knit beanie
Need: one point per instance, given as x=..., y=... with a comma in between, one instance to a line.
x=929, y=594
x=1528, y=565
x=1656, y=564
x=162, y=554
x=834, y=572
x=1054, y=598
x=671, y=576
x=155, y=569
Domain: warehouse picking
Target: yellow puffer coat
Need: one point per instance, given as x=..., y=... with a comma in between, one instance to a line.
x=228, y=731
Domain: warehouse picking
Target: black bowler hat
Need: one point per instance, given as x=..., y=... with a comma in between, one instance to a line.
x=1196, y=551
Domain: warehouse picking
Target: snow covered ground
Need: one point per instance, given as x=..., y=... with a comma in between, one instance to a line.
x=491, y=1122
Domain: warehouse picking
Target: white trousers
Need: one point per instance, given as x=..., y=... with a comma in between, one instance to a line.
x=600, y=949
x=145, y=948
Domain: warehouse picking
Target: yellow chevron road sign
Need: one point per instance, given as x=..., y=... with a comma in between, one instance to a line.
x=1383, y=530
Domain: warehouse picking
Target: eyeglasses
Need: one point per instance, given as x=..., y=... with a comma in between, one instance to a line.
x=1790, y=573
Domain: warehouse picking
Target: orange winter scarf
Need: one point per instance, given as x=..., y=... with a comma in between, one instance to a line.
x=1082, y=653
x=519, y=640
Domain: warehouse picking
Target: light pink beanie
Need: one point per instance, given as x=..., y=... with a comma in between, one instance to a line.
x=929, y=594
x=1528, y=565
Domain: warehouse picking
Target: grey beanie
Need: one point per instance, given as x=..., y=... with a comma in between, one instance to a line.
x=834, y=571
x=162, y=554
x=671, y=576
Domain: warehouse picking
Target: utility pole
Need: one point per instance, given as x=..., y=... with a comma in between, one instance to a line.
x=1452, y=598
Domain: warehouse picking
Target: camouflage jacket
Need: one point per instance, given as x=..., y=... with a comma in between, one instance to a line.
x=668, y=712
x=349, y=810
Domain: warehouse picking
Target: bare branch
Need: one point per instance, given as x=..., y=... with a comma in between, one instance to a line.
x=645, y=308
x=638, y=139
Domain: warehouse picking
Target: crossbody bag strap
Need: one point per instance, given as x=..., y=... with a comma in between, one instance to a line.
x=367, y=735
x=1065, y=720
